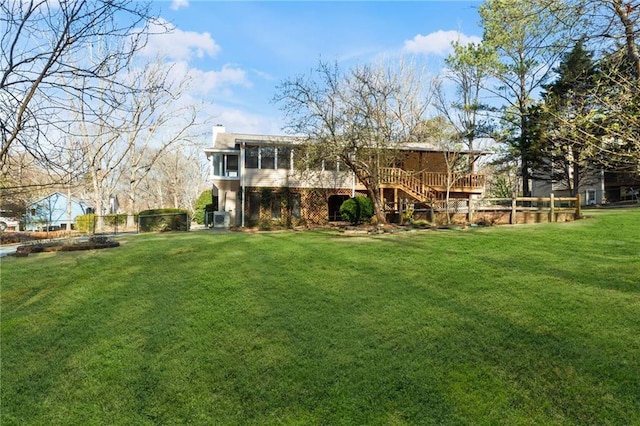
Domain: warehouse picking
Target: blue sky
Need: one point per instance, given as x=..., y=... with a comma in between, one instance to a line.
x=238, y=51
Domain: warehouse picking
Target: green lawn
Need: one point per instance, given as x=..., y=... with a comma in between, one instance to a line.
x=532, y=324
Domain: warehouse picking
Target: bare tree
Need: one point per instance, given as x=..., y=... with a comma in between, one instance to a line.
x=177, y=179
x=156, y=118
x=360, y=117
x=608, y=25
x=45, y=48
x=444, y=136
x=103, y=153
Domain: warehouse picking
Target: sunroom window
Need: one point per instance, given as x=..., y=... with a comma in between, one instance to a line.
x=225, y=165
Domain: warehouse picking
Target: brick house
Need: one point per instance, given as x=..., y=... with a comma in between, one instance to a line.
x=254, y=178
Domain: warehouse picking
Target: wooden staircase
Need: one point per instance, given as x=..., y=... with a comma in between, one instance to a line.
x=407, y=182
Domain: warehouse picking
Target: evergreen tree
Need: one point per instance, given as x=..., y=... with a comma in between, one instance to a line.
x=557, y=123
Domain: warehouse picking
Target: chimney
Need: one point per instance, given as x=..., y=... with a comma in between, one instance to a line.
x=218, y=128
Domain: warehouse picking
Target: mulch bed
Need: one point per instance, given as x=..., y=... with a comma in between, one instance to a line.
x=55, y=246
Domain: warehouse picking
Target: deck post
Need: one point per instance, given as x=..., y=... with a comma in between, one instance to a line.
x=514, y=211
x=552, y=208
x=470, y=210
x=578, y=213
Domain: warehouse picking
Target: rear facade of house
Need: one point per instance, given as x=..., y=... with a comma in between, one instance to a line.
x=255, y=180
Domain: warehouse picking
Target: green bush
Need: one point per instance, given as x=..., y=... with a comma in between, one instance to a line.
x=115, y=219
x=203, y=204
x=356, y=210
x=155, y=220
x=85, y=223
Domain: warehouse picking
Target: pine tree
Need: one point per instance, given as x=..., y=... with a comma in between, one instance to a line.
x=557, y=123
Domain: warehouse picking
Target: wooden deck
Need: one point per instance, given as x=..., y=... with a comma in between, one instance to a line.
x=428, y=185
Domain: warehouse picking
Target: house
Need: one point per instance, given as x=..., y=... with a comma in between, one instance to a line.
x=55, y=211
x=255, y=178
x=596, y=187
x=621, y=186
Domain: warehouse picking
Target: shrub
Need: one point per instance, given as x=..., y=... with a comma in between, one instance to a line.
x=115, y=219
x=356, y=210
x=163, y=220
x=85, y=223
x=203, y=205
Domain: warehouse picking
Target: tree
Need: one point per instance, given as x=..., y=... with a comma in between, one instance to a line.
x=177, y=179
x=557, y=125
x=610, y=25
x=360, y=117
x=443, y=135
x=608, y=129
x=468, y=67
x=526, y=39
x=45, y=46
x=155, y=118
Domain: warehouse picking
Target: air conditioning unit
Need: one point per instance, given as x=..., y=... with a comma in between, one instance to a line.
x=221, y=219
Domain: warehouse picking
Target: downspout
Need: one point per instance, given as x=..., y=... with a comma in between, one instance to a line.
x=242, y=171
x=353, y=184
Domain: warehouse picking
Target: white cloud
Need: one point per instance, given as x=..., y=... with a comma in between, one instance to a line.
x=211, y=81
x=178, y=44
x=438, y=43
x=240, y=121
x=177, y=4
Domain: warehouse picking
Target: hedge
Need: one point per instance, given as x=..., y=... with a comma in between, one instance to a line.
x=163, y=220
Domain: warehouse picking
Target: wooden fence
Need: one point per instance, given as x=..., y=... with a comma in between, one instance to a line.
x=521, y=209
x=497, y=210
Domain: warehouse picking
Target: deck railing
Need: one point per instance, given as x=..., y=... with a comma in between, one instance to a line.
x=408, y=181
x=422, y=182
x=462, y=181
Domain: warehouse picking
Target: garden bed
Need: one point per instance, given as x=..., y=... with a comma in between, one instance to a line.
x=92, y=243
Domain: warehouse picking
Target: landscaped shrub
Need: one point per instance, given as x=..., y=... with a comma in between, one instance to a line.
x=163, y=220
x=113, y=220
x=356, y=210
x=203, y=205
x=85, y=223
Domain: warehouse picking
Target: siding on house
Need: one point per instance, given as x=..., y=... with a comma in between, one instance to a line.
x=254, y=178
x=54, y=211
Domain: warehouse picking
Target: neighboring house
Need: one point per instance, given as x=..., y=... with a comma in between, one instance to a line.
x=254, y=179
x=8, y=222
x=55, y=211
x=622, y=186
x=595, y=188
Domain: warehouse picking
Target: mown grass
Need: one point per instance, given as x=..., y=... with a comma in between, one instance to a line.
x=505, y=325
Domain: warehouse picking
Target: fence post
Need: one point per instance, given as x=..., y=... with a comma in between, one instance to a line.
x=578, y=213
x=514, y=211
x=552, y=209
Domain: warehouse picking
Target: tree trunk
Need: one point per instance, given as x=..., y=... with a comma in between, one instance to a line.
x=378, y=209
x=98, y=195
x=131, y=207
x=576, y=179
x=623, y=11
